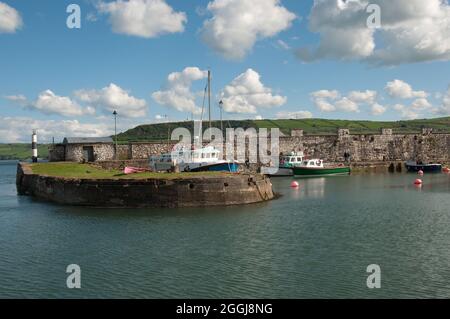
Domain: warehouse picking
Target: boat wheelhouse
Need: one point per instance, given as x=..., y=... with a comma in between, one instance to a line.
x=287, y=162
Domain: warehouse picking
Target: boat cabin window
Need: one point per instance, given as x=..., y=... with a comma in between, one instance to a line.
x=299, y=159
x=312, y=163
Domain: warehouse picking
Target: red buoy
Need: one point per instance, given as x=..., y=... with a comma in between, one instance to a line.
x=295, y=184
x=418, y=182
x=446, y=170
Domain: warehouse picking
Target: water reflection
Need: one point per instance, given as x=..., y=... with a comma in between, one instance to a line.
x=314, y=187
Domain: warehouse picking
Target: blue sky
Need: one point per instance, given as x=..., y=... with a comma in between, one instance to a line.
x=41, y=54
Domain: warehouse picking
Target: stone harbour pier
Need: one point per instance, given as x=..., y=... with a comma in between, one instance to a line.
x=145, y=192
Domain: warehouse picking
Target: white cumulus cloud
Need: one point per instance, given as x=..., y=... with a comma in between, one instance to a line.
x=236, y=25
x=323, y=100
x=177, y=92
x=402, y=90
x=411, y=31
x=332, y=100
x=406, y=112
x=445, y=108
x=50, y=103
x=378, y=109
x=143, y=18
x=246, y=94
x=368, y=97
x=10, y=19
x=12, y=129
x=114, y=98
x=421, y=104
x=325, y=94
x=347, y=105
x=19, y=99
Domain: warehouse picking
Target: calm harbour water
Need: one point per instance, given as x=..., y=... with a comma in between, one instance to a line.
x=315, y=242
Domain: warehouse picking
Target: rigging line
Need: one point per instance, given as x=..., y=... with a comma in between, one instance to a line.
x=203, y=104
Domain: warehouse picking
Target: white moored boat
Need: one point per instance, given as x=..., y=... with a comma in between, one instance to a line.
x=197, y=160
x=187, y=159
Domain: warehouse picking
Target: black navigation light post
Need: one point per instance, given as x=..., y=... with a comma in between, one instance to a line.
x=221, y=119
x=115, y=134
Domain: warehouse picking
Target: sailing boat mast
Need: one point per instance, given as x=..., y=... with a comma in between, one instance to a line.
x=209, y=97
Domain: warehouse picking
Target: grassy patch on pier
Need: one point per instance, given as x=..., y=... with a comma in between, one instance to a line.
x=86, y=171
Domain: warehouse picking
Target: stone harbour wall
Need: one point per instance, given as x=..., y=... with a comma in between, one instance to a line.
x=145, y=150
x=373, y=148
x=383, y=147
x=102, y=152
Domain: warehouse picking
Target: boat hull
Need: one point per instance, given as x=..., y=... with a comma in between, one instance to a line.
x=274, y=171
x=220, y=167
x=431, y=168
x=313, y=171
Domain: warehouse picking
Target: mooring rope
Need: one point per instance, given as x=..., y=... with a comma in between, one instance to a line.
x=266, y=197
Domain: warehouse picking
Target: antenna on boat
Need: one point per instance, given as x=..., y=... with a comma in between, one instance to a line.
x=209, y=101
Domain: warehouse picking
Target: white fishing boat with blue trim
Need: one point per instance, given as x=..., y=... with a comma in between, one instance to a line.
x=207, y=159
x=192, y=159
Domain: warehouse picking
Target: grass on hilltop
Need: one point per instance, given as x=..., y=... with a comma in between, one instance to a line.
x=87, y=171
x=159, y=132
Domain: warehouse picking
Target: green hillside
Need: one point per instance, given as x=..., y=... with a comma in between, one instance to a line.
x=159, y=132
x=18, y=151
